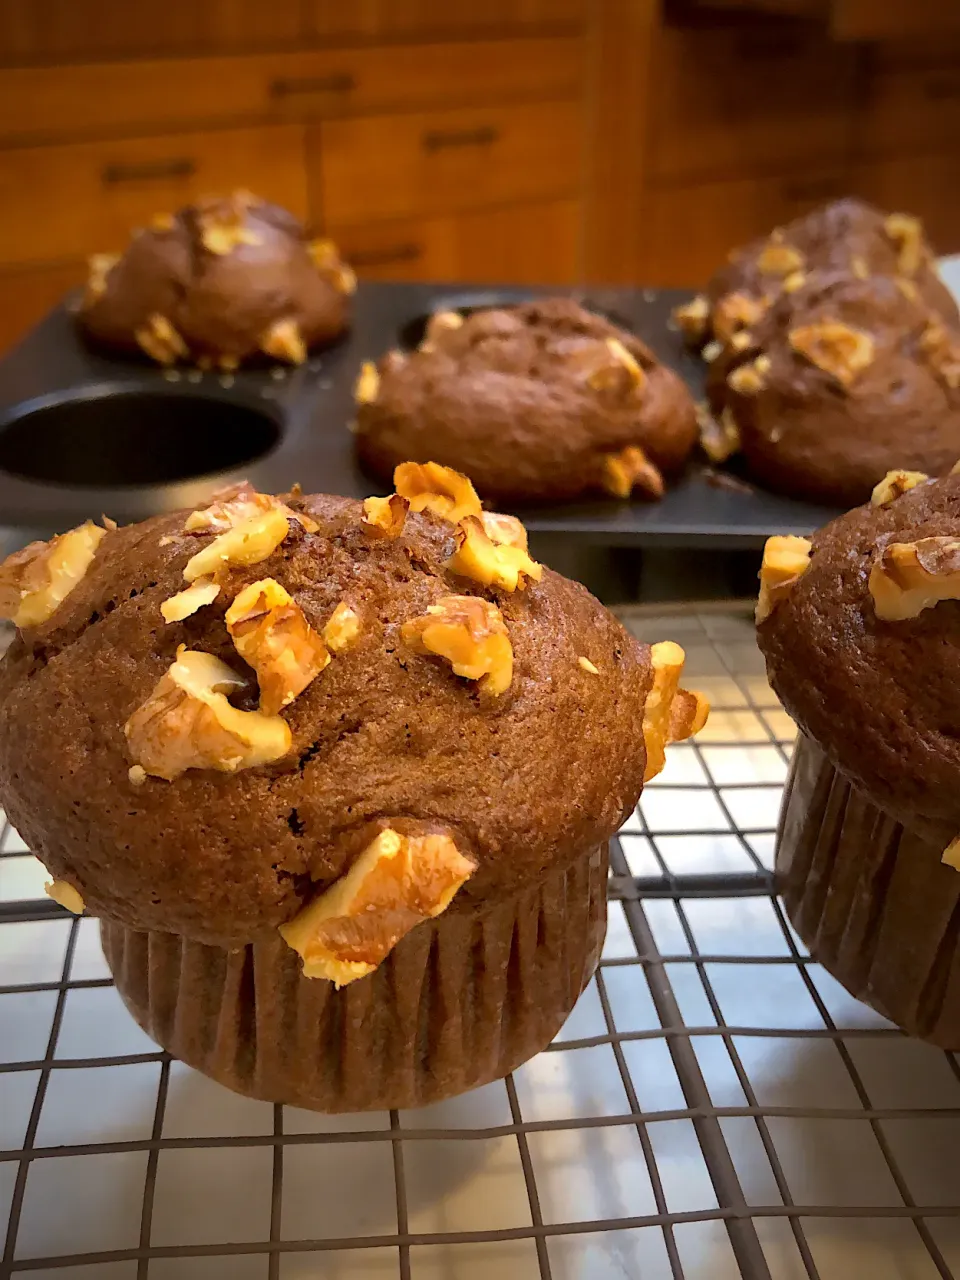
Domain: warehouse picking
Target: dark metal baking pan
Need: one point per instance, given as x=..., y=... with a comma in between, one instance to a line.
x=81, y=433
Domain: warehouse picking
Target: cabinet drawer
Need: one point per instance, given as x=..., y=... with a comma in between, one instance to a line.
x=909, y=108
x=408, y=165
x=736, y=101
x=691, y=229
x=67, y=201
x=27, y=296
x=332, y=19
x=528, y=244
x=927, y=185
x=117, y=97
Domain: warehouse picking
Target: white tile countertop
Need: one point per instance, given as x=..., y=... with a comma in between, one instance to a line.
x=715, y=1107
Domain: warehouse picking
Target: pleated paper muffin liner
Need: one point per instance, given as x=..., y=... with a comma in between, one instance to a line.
x=871, y=899
x=460, y=1001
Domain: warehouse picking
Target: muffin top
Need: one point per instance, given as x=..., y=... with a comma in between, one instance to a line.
x=219, y=282
x=543, y=401
x=859, y=631
x=209, y=720
x=842, y=381
x=846, y=236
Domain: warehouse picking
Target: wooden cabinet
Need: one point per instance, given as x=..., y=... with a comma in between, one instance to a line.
x=523, y=244
x=68, y=201
x=334, y=19
x=380, y=167
x=928, y=185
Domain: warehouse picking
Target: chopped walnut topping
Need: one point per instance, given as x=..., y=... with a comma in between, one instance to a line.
x=240, y=502
x=187, y=722
x=396, y=883
x=270, y=633
x=750, y=378
x=719, y=437
x=160, y=340
x=740, y=341
x=470, y=634
x=222, y=224
x=247, y=542
x=367, y=386
x=908, y=577
x=692, y=318
x=442, y=322
x=785, y=560
x=778, y=258
x=162, y=222
x=623, y=374
x=324, y=255
x=427, y=486
x=65, y=894
x=670, y=714
x=202, y=592
x=836, y=348
x=908, y=289
x=906, y=232
x=137, y=775
x=735, y=312
x=385, y=517
x=894, y=485
x=859, y=267
x=284, y=341
x=491, y=563
x=587, y=665
x=712, y=351
x=508, y=531
x=631, y=469
x=342, y=628
x=35, y=581
x=942, y=351
x=951, y=854
x=100, y=265
x=794, y=281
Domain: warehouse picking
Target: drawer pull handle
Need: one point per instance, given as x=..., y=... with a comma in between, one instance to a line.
x=390, y=253
x=942, y=88
x=148, y=171
x=815, y=189
x=338, y=82
x=437, y=139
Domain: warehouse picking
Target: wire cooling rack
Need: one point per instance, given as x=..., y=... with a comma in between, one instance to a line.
x=716, y=1106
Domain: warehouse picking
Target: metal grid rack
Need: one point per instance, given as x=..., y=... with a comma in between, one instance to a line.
x=716, y=1106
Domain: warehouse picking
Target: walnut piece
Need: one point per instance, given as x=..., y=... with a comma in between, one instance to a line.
x=385, y=517
x=427, y=486
x=222, y=224
x=750, y=378
x=735, y=312
x=187, y=722
x=894, y=485
x=396, y=883
x=631, y=469
x=712, y=351
x=240, y=502
x=622, y=373
x=323, y=254
x=692, y=319
x=588, y=666
x=470, y=634
x=785, y=559
x=951, y=854
x=65, y=894
x=908, y=289
x=160, y=340
x=794, y=281
x=493, y=564
x=906, y=232
x=508, y=531
x=943, y=352
x=777, y=258
x=719, y=437
x=284, y=341
x=271, y=634
x=341, y=629
x=202, y=592
x=247, y=542
x=908, y=577
x=859, y=267
x=99, y=267
x=442, y=322
x=670, y=714
x=35, y=581
x=836, y=348
x=367, y=387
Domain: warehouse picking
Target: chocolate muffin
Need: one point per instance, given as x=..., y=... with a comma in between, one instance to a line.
x=840, y=382
x=311, y=762
x=536, y=403
x=847, y=236
x=859, y=631
x=218, y=283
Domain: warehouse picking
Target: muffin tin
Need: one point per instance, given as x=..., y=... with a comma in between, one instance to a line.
x=80, y=432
